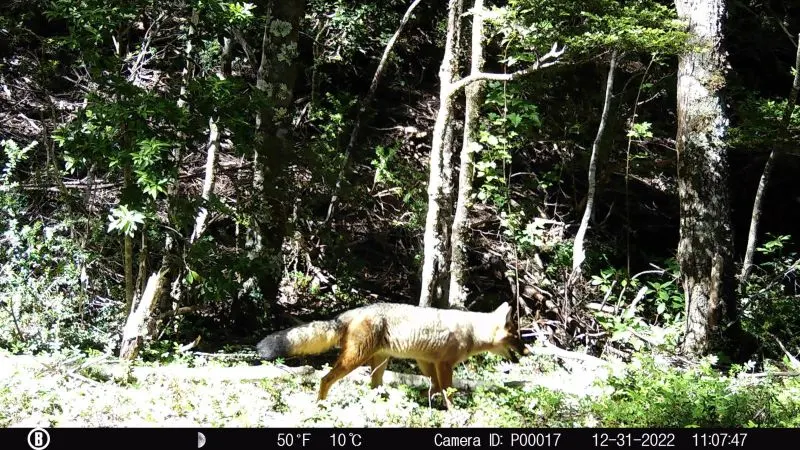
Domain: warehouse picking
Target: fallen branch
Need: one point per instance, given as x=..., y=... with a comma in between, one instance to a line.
x=140, y=318
x=771, y=374
x=549, y=349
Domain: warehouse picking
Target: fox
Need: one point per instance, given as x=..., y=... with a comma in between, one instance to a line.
x=438, y=339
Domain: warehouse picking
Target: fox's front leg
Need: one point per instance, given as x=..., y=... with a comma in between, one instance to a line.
x=350, y=359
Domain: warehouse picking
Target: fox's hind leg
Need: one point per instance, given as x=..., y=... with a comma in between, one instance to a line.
x=444, y=372
x=378, y=365
x=429, y=370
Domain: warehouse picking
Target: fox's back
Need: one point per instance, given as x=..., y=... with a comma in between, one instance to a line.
x=412, y=332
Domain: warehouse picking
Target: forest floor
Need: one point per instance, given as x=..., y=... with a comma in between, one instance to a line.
x=205, y=391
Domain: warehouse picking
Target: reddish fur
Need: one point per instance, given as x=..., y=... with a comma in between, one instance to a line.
x=438, y=340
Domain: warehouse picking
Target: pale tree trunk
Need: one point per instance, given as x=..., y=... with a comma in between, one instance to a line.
x=212, y=149
x=435, y=264
x=188, y=49
x=127, y=177
x=365, y=103
x=578, y=253
x=225, y=66
x=170, y=242
x=438, y=221
x=208, y=180
x=474, y=94
x=705, y=247
x=755, y=217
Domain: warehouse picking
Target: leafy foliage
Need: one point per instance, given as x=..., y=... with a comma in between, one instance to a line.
x=587, y=27
x=648, y=396
x=770, y=305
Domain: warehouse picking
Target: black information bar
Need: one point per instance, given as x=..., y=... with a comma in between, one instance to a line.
x=385, y=438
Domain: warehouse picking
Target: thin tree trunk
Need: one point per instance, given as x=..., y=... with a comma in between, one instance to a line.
x=705, y=246
x=177, y=156
x=208, y=180
x=438, y=221
x=130, y=286
x=440, y=184
x=578, y=253
x=142, y=270
x=186, y=74
x=755, y=217
x=253, y=244
x=365, y=103
x=474, y=94
x=261, y=84
x=225, y=66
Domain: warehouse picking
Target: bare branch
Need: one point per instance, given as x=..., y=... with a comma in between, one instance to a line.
x=248, y=50
x=549, y=59
x=578, y=254
x=755, y=216
x=148, y=38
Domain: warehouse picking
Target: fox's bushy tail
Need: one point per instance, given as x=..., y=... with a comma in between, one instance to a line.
x=307, y=339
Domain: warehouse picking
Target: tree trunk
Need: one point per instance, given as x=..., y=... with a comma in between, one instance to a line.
x=755, y=217
x=705, y=247
x=186, y=74
x=438, y=222
x=139, y=324
x=474, y=94
x=436, y=256
x=130, y=286
x=274, y=150
x=208, y=180
x=578, y=253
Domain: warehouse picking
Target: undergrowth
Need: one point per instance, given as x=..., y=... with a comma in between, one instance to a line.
x=640, y=394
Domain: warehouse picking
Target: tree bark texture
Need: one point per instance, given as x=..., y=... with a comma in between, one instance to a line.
x=436, y=258
x=474, y=95
x=705, y=246
x=274, y=147
x=130, y=287
x=755, y=217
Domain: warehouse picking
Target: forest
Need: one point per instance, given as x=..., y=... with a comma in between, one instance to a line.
x=192, y=191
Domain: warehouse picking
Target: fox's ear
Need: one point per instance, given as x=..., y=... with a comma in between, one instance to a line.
x=504, y=310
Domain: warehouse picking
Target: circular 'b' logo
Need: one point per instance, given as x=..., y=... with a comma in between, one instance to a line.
x=38, y=439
